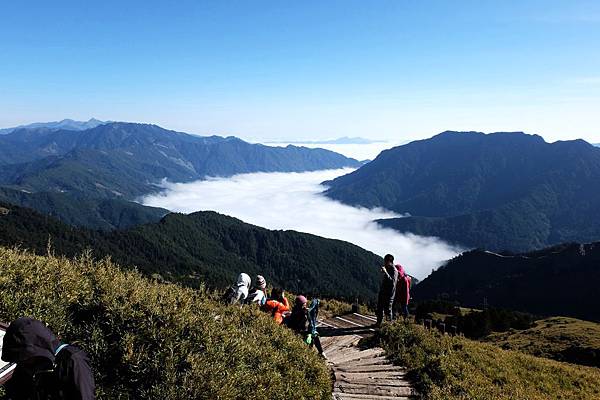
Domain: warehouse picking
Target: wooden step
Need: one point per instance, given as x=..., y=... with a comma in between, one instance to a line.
x=370, y=375
x=344, y=341
x=350, y=396
x=373, y=381
x=357, y=356
x=362, y=374
x=337, y=352
x=364, y=362
x=370, y=368
x=381, y=390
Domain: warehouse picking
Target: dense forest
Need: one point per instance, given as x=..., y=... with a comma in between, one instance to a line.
x=210, y=248
x=561, y=280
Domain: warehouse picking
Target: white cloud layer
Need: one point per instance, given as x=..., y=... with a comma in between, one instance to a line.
x=294, y=201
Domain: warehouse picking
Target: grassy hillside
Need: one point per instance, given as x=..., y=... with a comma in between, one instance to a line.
x=149, y=340
x=448, y=368
x=559, y=338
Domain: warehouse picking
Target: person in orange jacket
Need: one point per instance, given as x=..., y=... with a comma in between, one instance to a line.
x=277, y=305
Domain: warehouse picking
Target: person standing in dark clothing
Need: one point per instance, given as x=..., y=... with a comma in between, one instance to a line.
x=46, y=368
x=387, y=290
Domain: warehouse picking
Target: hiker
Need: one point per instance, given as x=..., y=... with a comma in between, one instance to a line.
x=402, y=292
x=277, y=305
x=387, y=290
x=46, y=368
x=257, y=293
x=239, y=292
x=303, y=321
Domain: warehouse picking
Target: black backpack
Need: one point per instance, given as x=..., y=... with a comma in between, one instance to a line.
x=228, y=297
x=59, y=382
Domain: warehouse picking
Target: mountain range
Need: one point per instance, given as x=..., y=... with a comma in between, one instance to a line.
x=559, y=280
x=78, y=209
x=500, y=191
x=67, y=124
x=206, y=248
x=341, y=140
x=126, y=160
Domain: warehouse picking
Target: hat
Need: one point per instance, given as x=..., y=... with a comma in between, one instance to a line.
x=26, y=338
x=301, y=300
x=261, y=283
x=401, y=271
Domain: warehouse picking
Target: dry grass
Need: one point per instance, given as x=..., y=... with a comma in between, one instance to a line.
x=457, y=368
x=551, y=338
x=149, y=340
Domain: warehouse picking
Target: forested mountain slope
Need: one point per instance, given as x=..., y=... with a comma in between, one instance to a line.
x=501, y=191
x=561, y=280
x=208, y=247
x=51, y=169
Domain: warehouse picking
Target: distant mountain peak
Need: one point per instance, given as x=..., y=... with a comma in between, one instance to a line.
x=575, y=143
x=66, y=124
x=131, y=158
x=341, y=140
x=511, y=135
x=502, y=190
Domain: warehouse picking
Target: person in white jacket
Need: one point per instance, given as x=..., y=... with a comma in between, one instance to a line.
x=241, y=288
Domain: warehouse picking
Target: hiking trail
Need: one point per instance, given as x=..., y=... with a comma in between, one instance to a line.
x=360, y=373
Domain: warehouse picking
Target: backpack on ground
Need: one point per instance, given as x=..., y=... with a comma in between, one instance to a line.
x=229, y=296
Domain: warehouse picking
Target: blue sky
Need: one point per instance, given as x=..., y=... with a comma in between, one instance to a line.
x=268, y=70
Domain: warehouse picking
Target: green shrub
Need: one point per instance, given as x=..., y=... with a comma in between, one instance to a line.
x=332, y=308
x=449, y=368
x=149, y=340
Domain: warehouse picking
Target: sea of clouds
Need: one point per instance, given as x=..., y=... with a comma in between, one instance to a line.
x=294, y=201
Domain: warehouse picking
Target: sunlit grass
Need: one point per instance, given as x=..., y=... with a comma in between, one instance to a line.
x=449, y=368
x=560, y=338
x=150, y=340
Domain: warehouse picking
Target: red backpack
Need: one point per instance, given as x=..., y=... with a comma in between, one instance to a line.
x=403, y=285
